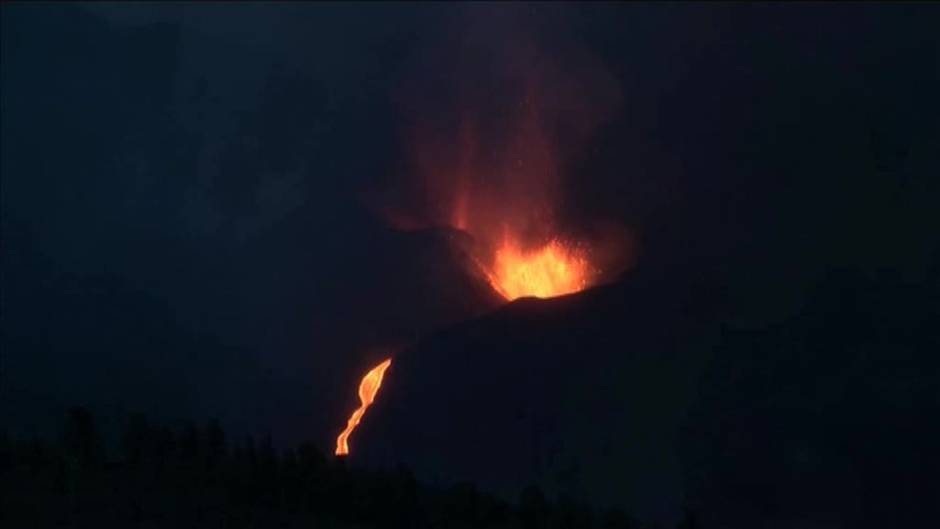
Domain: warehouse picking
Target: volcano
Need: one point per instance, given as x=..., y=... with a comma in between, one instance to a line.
x=542, y=400
x=536, y=370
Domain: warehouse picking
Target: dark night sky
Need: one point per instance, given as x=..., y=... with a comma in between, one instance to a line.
x=188, y=224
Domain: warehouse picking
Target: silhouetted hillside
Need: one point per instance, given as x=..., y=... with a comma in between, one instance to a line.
x=584, y=394
x=828, y=418
x=824, y=416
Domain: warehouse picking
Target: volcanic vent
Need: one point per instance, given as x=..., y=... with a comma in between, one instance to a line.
x=489, y=139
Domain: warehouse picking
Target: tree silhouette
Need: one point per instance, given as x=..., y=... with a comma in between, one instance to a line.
x=688, y=520
x=137, y=434
x=188, y=477
x=80, y=439
x=216, y=449
x=533, y=508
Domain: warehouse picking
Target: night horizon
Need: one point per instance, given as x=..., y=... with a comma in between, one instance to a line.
x=680, y=261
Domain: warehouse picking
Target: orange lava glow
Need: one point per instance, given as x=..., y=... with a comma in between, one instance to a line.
x=367, y=390
x=551, y=270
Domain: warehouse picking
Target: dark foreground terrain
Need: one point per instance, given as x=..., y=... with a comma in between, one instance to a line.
x=824, y=419
x=193, y=477
x=658, y=395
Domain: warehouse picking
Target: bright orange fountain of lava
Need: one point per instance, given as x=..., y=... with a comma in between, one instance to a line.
x=551, y=270
x=367, y=389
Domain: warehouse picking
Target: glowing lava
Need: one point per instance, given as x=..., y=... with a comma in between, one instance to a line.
x=367, y=389
x=551, y=270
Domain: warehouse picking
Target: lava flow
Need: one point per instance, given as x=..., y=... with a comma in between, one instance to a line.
x=367, y=389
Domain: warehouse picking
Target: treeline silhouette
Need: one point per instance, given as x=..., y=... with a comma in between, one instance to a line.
x=195, y=477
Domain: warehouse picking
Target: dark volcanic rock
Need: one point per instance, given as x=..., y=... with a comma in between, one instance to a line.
x=645, y=395
x=582, y=394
